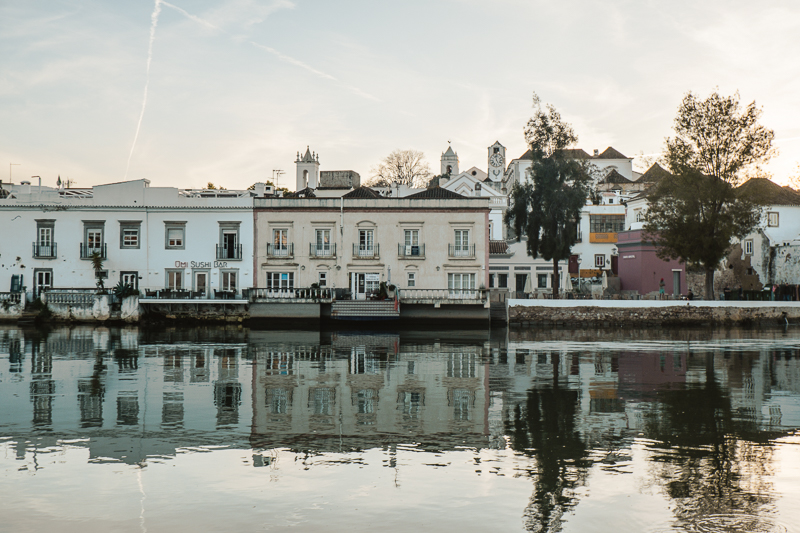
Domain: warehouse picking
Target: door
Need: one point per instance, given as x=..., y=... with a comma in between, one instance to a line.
x=130, y=278
x=364, y=283
x=614, y=264
x=676, y=282
x=201, y=283
x=43, y=280
x=521, y=279
x=229, y=245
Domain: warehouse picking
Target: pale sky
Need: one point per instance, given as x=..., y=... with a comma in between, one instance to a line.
x=236, y=87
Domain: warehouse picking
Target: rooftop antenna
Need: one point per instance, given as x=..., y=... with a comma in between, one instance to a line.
x=9, y=171
x=276, y=175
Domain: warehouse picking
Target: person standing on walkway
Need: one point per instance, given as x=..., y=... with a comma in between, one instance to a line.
x=661, y=289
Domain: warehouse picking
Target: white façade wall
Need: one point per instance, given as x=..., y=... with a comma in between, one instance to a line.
x=110, y=208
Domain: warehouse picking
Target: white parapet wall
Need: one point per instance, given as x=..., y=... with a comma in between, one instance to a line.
x=11, y=305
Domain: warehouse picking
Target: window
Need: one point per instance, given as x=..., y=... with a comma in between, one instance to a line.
x=412, y=237
x=174, y=279
x=639, y=215
x=461, y=246
x=748, y=247
x=281, y=280
x=45, y=245
x=323, y=242
x=129, y=234
x=542, y=280
x=93, y=239
x=323, y=279
x=366, y=242
x=491, y=281
x=229, y=246
x=228, y=281
x=461, y=285
x=599, y=260
x=502, y=281
x=130, y=238
x=606, y=223
x=412, y=279
x=175, y=235
x=280, y=242
x=772, y=219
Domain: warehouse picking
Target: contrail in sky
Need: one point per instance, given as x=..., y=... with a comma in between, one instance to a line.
x=276, y=53
x=153, y=24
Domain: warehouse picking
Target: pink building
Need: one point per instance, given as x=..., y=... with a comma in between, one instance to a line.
x=641, y=270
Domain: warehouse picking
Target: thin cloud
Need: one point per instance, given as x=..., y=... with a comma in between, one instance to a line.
x=281, y=56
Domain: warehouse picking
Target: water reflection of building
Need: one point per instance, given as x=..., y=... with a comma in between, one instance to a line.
x=326, y=398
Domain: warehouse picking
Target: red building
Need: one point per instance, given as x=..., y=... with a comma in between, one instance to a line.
x=641, y=270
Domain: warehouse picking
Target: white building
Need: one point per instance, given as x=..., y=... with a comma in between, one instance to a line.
x=475, y=182
x=152, y=238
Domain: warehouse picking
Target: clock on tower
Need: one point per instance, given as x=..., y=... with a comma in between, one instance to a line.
x=497, y=161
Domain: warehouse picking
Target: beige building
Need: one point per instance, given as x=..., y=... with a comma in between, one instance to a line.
x=432, y=240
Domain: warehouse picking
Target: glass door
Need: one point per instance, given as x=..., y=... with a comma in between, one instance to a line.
x=201, y=283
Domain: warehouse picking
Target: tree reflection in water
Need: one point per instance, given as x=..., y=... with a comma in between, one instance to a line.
x=714, y=465
x=545, y=429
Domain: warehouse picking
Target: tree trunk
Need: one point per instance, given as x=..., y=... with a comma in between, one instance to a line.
x=710, y=284
x=556, y=279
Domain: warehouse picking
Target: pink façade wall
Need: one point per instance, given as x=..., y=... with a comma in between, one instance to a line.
x=641, y=270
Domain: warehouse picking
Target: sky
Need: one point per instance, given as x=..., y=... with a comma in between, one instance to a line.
x=188, y=92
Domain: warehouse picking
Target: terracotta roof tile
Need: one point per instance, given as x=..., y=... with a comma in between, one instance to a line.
x=435, y=192
x=362, y=192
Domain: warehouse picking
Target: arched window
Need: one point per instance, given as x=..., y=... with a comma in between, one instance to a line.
x=305, y=179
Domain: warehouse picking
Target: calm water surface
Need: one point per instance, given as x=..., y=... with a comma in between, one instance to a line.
x=230, y=429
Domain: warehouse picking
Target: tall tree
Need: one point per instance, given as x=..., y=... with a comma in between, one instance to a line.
x=406, y=167
x=547, y=206
x=694, y=214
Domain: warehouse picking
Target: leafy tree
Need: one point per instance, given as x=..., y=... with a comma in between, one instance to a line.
x=547, y=206
x=694, y=214
x=406, y=167
x=97, y=265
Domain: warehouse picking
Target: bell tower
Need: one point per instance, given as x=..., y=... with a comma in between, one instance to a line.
x=307, y=170
x=449, y=162
x=497, y=161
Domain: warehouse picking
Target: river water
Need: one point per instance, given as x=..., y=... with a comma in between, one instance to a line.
x=231, y=429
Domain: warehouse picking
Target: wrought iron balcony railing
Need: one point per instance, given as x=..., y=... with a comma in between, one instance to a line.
x=44, y=251
x=88, y=251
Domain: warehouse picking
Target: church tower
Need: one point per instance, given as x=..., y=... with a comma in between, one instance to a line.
x=449, y=162
x=307, y=170
x=497, y=161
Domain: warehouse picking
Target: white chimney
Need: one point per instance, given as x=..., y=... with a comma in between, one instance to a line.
x=26, y=186
x=260, y=189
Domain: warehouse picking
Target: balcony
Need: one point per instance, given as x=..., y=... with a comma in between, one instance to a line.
x=361, y=251
x=88, y=251
x=44, y=251
x=290, y=295
x=229, y=253
x=322, y=251
x=444, y=296
x=280, y=250
x=414, y=251
x=463, y=251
